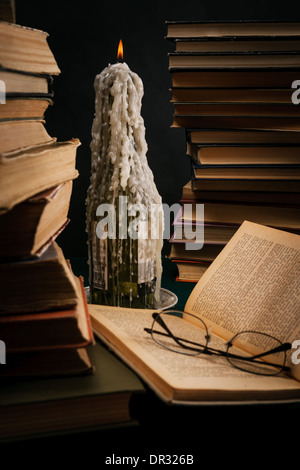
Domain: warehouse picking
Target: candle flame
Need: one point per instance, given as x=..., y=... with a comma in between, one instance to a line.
x=120, y=51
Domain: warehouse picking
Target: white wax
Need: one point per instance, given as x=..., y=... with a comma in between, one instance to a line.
x=118, y=132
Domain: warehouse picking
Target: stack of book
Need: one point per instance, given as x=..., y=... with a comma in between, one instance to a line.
x=44, y=322
x=234, y=89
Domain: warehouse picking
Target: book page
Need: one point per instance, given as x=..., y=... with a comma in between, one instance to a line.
x=253, y=284
x=176, y=377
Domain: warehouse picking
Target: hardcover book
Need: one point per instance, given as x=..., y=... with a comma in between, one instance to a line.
x=241, y=290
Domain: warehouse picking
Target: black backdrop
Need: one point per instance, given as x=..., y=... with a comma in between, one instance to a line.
x=84, y=38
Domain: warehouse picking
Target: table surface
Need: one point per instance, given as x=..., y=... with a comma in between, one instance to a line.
x=202, y=431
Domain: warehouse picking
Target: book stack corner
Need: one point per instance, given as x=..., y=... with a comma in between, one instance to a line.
x=44, y=321
x=231, y=90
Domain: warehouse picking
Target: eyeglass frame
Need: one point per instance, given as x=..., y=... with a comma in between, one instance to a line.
x=217, y=352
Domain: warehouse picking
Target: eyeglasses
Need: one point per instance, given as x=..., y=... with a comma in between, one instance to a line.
x=179, y=335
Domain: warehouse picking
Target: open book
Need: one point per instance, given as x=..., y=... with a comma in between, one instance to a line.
x=253, y=284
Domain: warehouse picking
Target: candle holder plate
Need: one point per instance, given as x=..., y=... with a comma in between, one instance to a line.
x=167, y=298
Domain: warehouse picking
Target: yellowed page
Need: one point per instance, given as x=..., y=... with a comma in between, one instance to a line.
x=253, y=284
x=177, y=377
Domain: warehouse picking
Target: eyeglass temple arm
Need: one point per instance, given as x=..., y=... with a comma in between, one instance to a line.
x=281, y=348
x=160, y=321
x=179, y=340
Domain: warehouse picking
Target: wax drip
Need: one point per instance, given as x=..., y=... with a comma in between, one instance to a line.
x=118, y=134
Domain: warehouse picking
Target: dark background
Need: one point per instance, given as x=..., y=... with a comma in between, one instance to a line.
x=84, y=37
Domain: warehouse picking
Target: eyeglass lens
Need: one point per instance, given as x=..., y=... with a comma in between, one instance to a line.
x=268, y=364
x=169, y=331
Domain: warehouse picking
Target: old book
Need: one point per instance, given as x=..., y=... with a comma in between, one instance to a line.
x=25, y=107
x=279, y=216
x=242, y=136
x=190, y=271
x=208, y=121
x=238, y=44
x=228, y=78
x=20, y=83
x=26, y=49
x=236, y=28
x=254, y=185
x=25, y=173
x=230, y=297
x=38, y=284
x=22, y=134
x=207, y=253
x=8, y=11
x=46, y=364
x=221, y=220
x=236, y=109
x=250, y=154
x=246, y=172
x=38, y=331
x=213, y=233
x=272, y=59
x=190, y=195
x=42, y=217
x=230, y=95
x=35, y=408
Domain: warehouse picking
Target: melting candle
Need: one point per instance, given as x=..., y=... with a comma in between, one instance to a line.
x=119, y=154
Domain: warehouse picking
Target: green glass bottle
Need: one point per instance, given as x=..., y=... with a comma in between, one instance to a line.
x=124, y=208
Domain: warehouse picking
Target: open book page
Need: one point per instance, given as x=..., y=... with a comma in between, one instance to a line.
x=253, y=284
x=177, y=377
